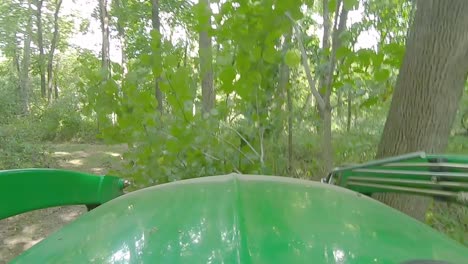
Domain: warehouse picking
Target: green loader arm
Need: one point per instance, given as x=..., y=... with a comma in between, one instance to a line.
x=24, y=190
x=444, y=177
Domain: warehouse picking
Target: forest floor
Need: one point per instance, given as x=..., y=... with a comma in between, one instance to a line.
x=18, y=233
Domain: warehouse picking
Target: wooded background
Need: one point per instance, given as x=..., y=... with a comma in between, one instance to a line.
x=208, y=87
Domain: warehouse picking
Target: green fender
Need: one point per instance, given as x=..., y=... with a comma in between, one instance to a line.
x=245, y=219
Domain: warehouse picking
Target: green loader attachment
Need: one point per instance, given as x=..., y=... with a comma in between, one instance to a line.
x=24, y=190
x=444, y=177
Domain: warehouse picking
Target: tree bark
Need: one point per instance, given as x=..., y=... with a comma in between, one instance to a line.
x=430, y=84
x=341, y=16
x=206, y=57
x=56, y=90
x=53, y=45
x=350, y=113
x=40, y=44
x=25, y=65
x=284, y=88
x=157, y=27
x=17, y=66
x=104, y=19
x=121, y=33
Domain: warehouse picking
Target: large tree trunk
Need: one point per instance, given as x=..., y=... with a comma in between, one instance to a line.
x=104, y=19
x=40, y=44
x=428, y=89
x=206, y=57
x=24, y=76
x=53, y=45
x=157, y=27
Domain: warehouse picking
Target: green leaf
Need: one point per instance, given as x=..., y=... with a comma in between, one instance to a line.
x=269, y=54
x=394, y=54
x=331, y=6
x=369, y=102
x=171, y=60
x=244, y=89
x=382, y=75
x=343, y=52
x=292, y=58
x=155, y=40
x=351, y=4
x=364, y=56
x=377, y=60
x=227, y=77
x=173, y=146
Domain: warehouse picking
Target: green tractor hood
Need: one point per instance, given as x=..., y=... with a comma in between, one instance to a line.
x=245, y=219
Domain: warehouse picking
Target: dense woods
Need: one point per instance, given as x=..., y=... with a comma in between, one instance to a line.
x=199, y=88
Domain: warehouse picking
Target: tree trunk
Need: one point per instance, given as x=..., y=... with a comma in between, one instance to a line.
x=350, y=113
x=24, y=76
x=40, y=44
x=325, y=110
x=341, y=16
x=157, y=27
x=185, y=53
x=104, y=19
x=121, y=33
x=284, y=88
x=339, y=105
x=56, y=90
x=290, y=129
x=430, y=84
x=17, y=66
x=53, y=45
x=206, y=57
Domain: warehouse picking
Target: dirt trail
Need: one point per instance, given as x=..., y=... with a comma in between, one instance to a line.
x=20, y=232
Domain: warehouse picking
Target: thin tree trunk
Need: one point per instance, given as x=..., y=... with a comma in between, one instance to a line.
x=284, y=88
x=339, y=105
x=53, y=45
x=185, y=53
x=327, y=154
x=121, y=33
x=327, y=82
x=24, y=76
x=290, y=127
x=40, y=44
x=104, y=19
x=350, y=113
x=157, y=27
x=17, y=65
x=206, y=57
x=430, y=84
x=56, y=90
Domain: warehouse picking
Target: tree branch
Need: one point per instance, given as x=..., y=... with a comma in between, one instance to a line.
x=305, y=63
x=339, y=27
x=243, y=139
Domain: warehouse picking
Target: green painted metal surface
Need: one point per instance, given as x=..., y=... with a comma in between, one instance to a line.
x=30, y=189
x=441, y=176
x=244, y=219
